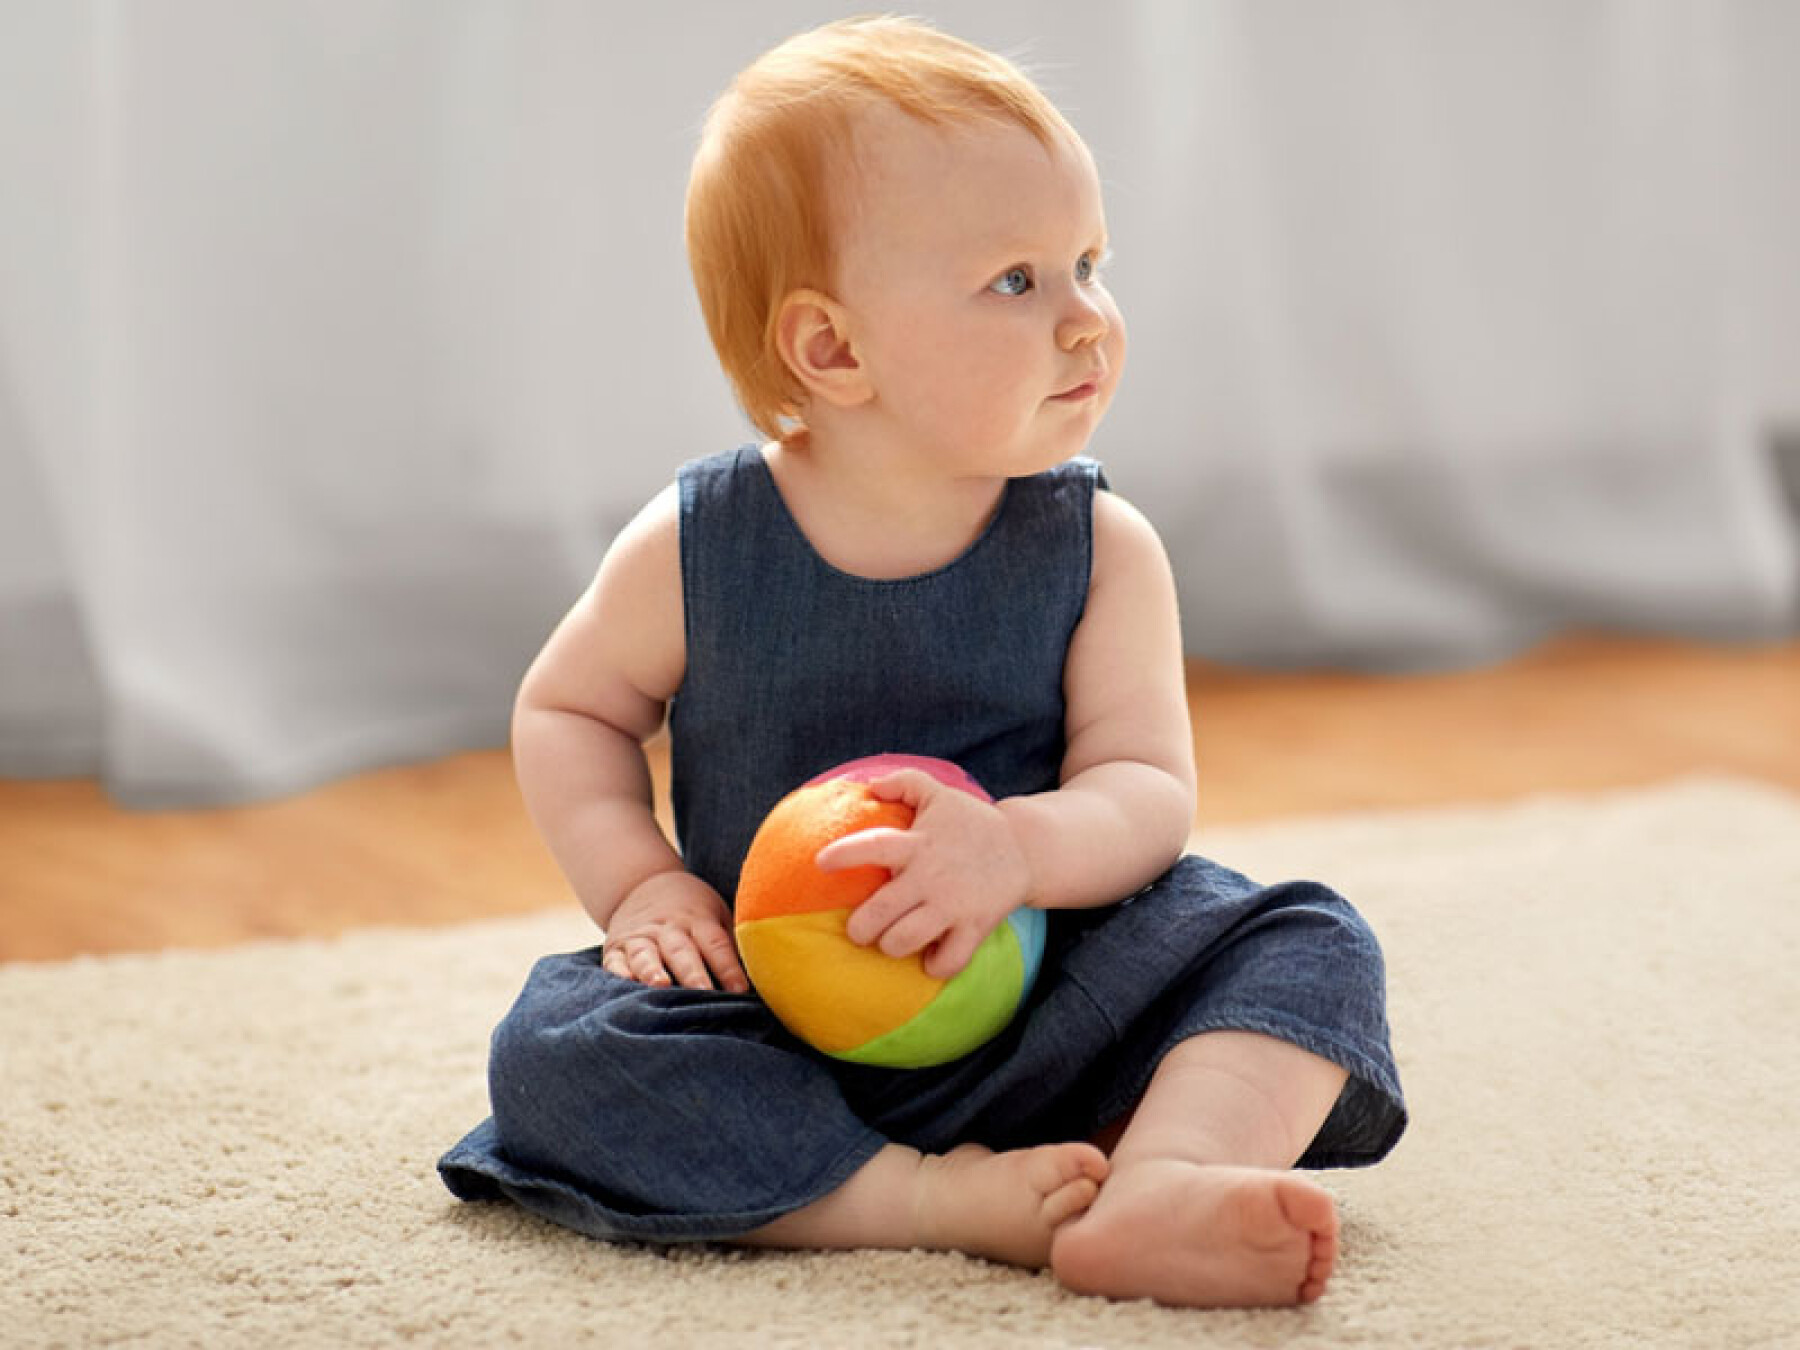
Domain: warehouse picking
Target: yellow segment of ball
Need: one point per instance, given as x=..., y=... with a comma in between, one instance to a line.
x=826, y=989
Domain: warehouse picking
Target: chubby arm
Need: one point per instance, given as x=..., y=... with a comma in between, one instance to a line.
x=1125, y=805
x=1118, y=818
x=596, y=692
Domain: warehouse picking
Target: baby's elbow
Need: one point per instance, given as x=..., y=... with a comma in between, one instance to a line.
x=1178, y=802
x=1164, y=811
x=528, y=712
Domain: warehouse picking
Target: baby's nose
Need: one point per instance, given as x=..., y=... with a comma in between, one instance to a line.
x=1084, y=322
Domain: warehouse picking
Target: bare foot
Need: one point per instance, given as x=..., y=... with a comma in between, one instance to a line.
x=1005, y=1206
x=1198, y=1236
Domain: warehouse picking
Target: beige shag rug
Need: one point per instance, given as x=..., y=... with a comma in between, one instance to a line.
x=1596, y=1004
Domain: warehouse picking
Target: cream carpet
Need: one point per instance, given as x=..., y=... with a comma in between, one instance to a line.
x=1596, y=1005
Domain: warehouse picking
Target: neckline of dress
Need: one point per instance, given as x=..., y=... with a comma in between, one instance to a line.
x=767, y=477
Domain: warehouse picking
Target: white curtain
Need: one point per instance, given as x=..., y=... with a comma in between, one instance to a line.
x=336, y=340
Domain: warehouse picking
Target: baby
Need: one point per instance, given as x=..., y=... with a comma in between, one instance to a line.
x=899, y=246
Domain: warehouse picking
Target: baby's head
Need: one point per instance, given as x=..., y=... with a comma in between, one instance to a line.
x=776, y=148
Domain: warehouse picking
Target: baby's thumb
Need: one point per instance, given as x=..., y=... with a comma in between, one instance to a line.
x=909, y=787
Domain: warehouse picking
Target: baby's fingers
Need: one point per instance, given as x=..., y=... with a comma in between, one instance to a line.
x=912, y=932
x=682, y=959
x=636, y=959
x=914, y=787
x=612, y=959
x=953, y=952
x=721, y=955
x=878, y=847
x=872, y=920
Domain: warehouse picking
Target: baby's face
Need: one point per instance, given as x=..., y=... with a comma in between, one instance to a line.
x=969, y=258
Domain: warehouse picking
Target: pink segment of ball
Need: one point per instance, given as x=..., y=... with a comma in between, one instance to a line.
x=871, y=767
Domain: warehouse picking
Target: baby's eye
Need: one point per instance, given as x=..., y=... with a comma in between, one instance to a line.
x=1087, y=266
x=1013, y=281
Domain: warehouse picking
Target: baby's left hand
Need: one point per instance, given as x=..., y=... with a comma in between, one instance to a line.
x=957, y=873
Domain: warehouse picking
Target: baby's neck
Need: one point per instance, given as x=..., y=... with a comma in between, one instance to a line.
x=876, y=523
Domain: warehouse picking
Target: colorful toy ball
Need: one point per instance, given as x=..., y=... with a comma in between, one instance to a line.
x=857, y=1003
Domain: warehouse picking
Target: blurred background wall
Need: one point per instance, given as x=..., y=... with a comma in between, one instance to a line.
x=336, y=340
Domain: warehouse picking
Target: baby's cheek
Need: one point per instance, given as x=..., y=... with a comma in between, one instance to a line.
x=1114, y=344
x=970, y=403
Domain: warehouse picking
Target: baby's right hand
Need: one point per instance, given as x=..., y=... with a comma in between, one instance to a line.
x=674, y=929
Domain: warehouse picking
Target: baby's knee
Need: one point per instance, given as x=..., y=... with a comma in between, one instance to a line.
x=1339, y=944
x=1357, y=938
x=523, y=1079
x=542, y=1080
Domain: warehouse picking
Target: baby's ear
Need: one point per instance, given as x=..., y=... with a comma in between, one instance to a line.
x=811, y=333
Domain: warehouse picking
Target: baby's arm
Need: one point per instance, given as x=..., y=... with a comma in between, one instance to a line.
x=593, y=696
x=1123, y=809
x=1125, y=806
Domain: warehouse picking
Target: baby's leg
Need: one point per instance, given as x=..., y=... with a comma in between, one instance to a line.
x=1200, y=1209
x=1003, y=1206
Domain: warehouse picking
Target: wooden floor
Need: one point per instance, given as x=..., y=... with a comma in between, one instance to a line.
x=447, y=841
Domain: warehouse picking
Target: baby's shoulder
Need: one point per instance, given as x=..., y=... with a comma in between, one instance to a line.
x=1124, y=539
x=656, y=524
x=644, y=557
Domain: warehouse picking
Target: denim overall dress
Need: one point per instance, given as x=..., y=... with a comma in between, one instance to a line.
x=625, y=1111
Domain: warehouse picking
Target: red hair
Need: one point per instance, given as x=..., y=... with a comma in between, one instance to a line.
x=759, y=196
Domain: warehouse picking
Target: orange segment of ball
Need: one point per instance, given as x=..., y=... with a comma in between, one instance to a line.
x=780, y=876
